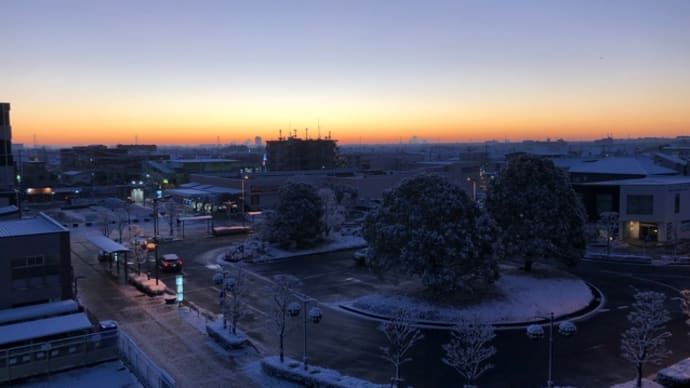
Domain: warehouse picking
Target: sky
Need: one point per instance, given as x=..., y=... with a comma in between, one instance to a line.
x=218, y=72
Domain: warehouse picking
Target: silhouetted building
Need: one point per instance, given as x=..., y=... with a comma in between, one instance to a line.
x=35, y=266
x=108, y=166
x=297, y=154
x=8, y=194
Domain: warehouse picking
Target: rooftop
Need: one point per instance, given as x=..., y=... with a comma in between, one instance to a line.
x=647, y=181
x=623, y=166
x=41, y=224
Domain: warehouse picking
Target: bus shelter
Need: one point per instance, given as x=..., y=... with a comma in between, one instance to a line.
x=208, y=219
x=112, y=251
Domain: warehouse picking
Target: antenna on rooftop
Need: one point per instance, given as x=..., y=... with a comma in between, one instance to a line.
x=306, y=133
x=318, y=126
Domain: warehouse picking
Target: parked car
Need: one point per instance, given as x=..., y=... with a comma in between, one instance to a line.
x=170, y=262
x=360, y=256
x=108, y=333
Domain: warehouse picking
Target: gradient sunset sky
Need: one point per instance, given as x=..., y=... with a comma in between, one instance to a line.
x=202, y=72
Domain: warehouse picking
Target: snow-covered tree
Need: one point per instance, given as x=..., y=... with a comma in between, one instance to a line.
x=608, y=222
x=685, y=304
x=537, y=210
x=107, y=217
x=282, y=291
x=645, y=341
x=172, y=209
x=121, y=218
x=136, y=245
x=401, y=336
x=234, y=289
x=469, y=349
x=297, y=219
x=430, y=228
x=345, y=195
x=333, y=212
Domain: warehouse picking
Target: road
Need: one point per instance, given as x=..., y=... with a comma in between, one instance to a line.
x=589, y=359
x=351, y=343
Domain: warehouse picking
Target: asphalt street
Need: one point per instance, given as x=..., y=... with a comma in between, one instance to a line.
x=350, y=343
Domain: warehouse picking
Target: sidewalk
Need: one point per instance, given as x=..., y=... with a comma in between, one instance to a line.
x=158, y=328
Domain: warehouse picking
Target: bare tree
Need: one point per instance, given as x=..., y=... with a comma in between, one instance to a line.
x=645, y=341
x=107, y=216
x=136, y=245
x=333, y=212
x=121, y=218
x=172, y=209
x=401, y=336
x=234, y=286
x=685, y=304
x=609, y=224
x=282, y=294
x=139, y=251
x=468, y=349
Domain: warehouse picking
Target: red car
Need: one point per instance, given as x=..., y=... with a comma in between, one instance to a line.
x=170, y=262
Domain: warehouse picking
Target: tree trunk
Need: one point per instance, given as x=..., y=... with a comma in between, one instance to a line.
x=528, y=265
x=639, y=375
x=282, y=353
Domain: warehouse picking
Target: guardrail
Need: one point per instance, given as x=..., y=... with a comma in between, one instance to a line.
x=149, y=374
x=57, y=355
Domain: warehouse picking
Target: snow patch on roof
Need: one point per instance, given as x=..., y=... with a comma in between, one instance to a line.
x=622, y=166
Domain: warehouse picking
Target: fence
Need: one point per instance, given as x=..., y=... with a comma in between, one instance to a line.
x=149, y=374
x=57, y=355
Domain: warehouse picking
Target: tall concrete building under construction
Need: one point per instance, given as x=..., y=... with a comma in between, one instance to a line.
x=298, y=154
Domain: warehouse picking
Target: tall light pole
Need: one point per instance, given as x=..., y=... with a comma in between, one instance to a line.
x=314, y=315
x=155, y=235
x=565, y=328
x=244, y=177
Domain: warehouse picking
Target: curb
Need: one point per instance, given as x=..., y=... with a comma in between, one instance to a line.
x=594, y=305
x=269, y=259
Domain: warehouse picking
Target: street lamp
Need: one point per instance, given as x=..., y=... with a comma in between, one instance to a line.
x=245, y=177
x=314, y=315
x=535, y=332
x=155, y=234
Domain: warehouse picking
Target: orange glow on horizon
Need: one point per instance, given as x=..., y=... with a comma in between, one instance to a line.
x=378, y=123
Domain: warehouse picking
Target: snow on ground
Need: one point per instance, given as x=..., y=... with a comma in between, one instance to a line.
x=518, y=297
x=344, y=241
x=250, y=361
x=108, y=374
x=632, y=384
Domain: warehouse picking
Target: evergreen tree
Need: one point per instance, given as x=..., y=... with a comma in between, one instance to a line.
x=537, y=210
x=430, y=228
x=298, y=217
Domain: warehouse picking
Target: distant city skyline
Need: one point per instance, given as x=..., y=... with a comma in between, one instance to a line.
x=216, y=72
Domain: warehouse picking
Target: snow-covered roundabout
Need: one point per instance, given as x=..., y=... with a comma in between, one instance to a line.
x=517, y=297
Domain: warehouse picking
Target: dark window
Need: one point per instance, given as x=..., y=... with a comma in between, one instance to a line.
x=640, y=204
x=604, y=203
x=676, y=204
x=28, y=267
